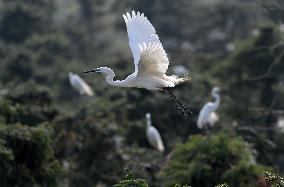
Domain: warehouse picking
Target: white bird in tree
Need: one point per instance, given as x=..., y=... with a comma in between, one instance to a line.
x=207, y=116
x=79, y=84
x=153, y=135
x=150, y=59
x=280, y=123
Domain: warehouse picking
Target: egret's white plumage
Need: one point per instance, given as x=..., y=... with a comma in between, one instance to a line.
x=213, y=118
x=153, y=135
x=79, y=84
x=280, y=123
x=150, y=59
x=207, y=115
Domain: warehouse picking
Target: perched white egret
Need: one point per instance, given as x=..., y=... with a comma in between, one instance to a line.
x=79, y=84
x=281, y=27
x=207, y=115
x=153, y=135
x=150, y=59
x=280, y=123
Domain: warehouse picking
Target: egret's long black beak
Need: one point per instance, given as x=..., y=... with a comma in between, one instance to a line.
x=92, y=70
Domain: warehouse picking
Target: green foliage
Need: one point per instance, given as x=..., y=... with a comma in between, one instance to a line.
x=255, y=84
x=86, y=134
x=130, y=181
x=29, y=104
x=274, y=179
x=26, y=156
x=254, y=69
x=26, y=148
x=222, y=185
x=42, y=40
x=203, y=161
x=21, y=19
x=177, y=185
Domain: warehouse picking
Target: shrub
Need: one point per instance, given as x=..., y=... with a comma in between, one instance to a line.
x=207, y=160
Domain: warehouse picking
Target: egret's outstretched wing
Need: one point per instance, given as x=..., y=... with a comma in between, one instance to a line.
x=139, y=30
x=153, y=59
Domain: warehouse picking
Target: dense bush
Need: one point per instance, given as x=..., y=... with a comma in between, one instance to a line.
x=26, y=138
x=209, y=160
x=26, y=156
x=131, y=181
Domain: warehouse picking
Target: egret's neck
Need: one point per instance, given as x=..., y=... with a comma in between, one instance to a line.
x=217, y=100
x=109, y=79
x=149, y=122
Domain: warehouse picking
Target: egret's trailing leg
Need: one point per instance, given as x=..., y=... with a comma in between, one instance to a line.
x=184, y=110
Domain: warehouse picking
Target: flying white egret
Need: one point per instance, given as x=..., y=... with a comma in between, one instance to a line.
x=79, y=84
x=150, y=60
x=153, y=135
x=207, y=115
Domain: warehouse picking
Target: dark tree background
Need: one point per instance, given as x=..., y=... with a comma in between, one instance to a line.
x=52, y=136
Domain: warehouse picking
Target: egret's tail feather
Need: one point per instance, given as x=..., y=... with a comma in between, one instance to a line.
x=89, y=92
x=161, y=147
x=177, y=79
x=184, y=110
x=182, y=79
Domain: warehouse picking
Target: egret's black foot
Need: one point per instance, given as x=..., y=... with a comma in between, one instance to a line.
x=184, y=110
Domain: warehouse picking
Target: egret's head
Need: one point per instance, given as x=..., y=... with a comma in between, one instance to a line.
x=148, y=118
x=148, y=115
x=103, y=70
x=215, y=90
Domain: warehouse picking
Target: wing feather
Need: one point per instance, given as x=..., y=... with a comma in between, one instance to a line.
x=153, y=59
x=139, y=30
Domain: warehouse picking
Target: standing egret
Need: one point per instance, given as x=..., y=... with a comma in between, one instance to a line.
x=79, y=84
x=207, y=115
x=150, y=59
x=281, y=27
x=280, y=123
x=153, y=135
